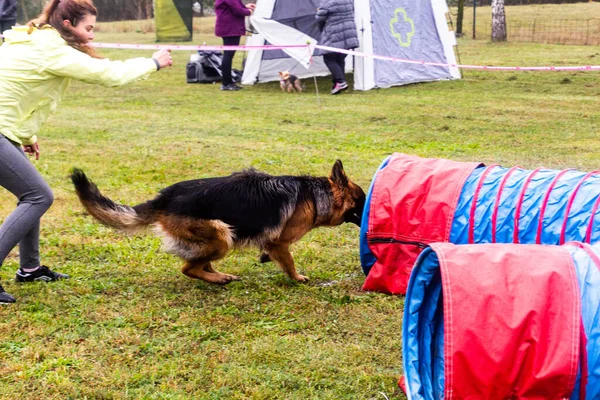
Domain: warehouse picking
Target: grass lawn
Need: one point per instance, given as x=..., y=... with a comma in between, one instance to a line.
x=129, y=325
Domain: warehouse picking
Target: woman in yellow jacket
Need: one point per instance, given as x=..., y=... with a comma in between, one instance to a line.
x=37, y=63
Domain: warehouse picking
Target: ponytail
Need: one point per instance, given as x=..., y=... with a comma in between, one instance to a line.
x=57, y=11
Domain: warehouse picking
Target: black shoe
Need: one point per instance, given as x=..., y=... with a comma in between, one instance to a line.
x=43, y=274
x=5, y=298
x=232, y=87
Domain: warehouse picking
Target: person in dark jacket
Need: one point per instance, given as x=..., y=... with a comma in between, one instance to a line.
x=335, y=19
x=8, y=14
x=231, y=27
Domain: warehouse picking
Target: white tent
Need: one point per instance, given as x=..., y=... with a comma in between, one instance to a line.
x=405, y=29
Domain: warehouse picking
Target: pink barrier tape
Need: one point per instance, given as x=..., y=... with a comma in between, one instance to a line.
x=191, y=47
x=336, y=50
x=481, y=67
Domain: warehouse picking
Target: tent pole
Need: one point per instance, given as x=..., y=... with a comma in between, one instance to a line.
x=310, y=57
x=317, y=90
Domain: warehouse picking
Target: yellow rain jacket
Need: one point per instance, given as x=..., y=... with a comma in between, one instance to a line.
x=36, y=70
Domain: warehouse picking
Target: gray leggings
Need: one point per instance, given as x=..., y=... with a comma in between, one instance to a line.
x=22, y=226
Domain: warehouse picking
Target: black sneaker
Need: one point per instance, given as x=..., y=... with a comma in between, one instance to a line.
x=233, y=87
x=43, y=274
x=5, y=298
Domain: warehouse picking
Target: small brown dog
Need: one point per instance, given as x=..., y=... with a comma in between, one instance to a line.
x=289, y=83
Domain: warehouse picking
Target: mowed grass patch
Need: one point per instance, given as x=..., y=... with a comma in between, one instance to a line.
x=128, y=325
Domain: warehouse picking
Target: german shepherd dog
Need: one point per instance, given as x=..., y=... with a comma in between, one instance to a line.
x=201, y=220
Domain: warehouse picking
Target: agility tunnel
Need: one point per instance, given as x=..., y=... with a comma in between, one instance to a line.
x=415, y=201
x=503, y=321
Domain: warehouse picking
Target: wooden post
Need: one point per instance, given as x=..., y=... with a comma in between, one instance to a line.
x=474, y=19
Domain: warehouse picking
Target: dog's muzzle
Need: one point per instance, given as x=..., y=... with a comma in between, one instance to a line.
x=353, y=217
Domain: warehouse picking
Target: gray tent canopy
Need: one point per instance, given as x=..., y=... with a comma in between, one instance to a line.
x=404, y=29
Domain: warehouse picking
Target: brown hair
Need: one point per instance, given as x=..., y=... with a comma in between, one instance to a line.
x=56, y=11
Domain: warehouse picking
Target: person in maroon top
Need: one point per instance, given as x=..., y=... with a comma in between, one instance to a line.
x=231, y=27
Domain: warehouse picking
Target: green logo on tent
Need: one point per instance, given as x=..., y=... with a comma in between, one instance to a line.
x=405, y=19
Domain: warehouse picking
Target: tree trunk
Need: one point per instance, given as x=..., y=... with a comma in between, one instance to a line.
x=24, y=10
x=498, y=21
x=150, y=9
x=459, y=18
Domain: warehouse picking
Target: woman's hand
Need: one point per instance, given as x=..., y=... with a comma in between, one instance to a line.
x=251, y=6
x=163, y=57
x=32, y=149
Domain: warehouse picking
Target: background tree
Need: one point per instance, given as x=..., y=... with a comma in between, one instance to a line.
x=206, y=5
x=459, y=17
x=108, y=10
x=498, y=21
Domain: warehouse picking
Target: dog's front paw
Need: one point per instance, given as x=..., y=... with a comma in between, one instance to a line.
x=224, y=279
x=232, y=277
x=301, y=278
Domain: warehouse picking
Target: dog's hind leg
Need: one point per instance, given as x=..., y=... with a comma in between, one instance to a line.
x=198, y=242
x=280, y=253
x=202, y=269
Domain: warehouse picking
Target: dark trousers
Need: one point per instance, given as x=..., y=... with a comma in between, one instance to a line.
x=6, y=25
x=22, y=226
x=336, y=63
x=228, y=58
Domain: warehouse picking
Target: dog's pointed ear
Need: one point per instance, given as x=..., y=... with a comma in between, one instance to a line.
x=338, y=175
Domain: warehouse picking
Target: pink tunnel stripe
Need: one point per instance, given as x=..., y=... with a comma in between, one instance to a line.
x=538, y=236
x=570, y=205
x=498, y=198
x=520, y=203
x=474, y=204
x=588, y=234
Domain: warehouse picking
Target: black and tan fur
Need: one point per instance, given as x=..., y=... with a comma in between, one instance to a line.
x=289, y=83
x=202, y=220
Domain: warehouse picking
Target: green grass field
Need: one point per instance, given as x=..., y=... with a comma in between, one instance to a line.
x=129, y=325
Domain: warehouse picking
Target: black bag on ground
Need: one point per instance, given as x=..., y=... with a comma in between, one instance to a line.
x=207, y=68
x=196, y=73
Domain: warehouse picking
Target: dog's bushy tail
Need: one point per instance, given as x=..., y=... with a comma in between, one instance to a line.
x=121, y=217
